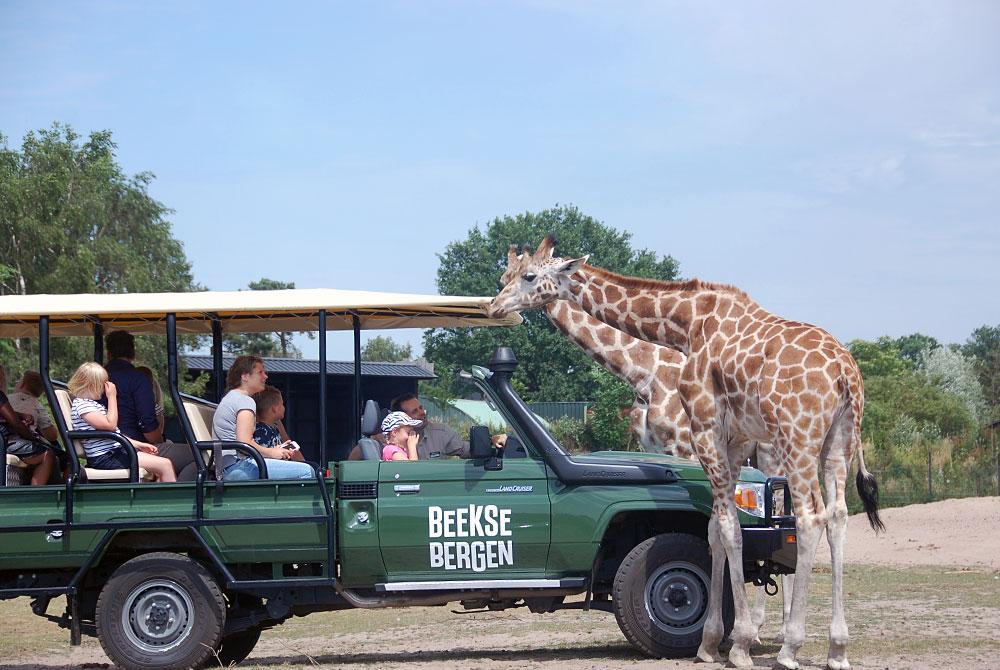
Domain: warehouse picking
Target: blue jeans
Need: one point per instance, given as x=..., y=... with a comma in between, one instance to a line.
x=244, y=469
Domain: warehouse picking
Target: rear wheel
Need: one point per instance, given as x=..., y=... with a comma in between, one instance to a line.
x=661, y=594
x=160, y=611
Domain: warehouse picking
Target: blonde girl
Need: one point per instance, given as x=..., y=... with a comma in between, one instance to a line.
x=86, y=386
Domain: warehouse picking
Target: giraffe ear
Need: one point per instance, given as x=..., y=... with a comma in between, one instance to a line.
x=512, y=256
x=569, y=266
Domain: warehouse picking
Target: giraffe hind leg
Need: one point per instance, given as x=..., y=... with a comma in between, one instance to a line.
x=837, y=455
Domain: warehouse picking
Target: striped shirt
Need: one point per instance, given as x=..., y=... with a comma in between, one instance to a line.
x=98, y=445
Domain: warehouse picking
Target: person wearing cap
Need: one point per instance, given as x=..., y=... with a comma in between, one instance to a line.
x=400, y=437
x=436, y=440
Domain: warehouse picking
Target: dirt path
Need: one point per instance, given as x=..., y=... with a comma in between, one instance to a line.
x=925, y=595
x=963, y=532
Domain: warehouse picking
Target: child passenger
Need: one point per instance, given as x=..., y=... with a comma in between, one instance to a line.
x=85, y=386
x=270, y=431
x=400, y=438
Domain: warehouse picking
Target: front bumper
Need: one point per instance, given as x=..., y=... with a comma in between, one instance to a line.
x=772, y=543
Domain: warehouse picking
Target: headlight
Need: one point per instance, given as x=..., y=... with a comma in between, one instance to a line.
x=750, y=498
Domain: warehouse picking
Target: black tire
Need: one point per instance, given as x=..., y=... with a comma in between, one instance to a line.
x=234, y=648
x=160, y=611
x=660, y=595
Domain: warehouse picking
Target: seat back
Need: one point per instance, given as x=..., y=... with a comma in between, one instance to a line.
x=66, y=409
x=200, y=415
x=369, y=448
x=92, y=474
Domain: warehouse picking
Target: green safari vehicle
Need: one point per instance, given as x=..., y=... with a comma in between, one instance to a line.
x=187, y=574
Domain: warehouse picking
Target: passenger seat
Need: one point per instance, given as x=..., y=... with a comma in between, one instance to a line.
x=368, y=446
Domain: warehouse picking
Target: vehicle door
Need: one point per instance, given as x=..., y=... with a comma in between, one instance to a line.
x=452, y=519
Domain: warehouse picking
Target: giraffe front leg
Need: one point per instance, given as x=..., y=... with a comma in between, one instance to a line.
x=808, y=530
x=732, y=539
x=786, y=605
x=714, y=629
x=758, y=616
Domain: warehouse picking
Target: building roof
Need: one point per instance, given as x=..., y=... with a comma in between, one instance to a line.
x=289, y=310
x=305, y=366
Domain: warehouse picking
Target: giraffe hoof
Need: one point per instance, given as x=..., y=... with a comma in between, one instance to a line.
x=708, y=656
x=838, y=664
x=740, y=659
x=786, y=663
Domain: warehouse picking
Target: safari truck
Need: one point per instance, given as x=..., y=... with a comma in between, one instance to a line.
x=189, y=574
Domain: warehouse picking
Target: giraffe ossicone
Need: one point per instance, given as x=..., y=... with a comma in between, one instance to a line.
x=749, y=376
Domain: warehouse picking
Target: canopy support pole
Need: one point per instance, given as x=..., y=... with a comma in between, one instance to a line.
x=98, y=341
x=324, y=448
x=217, y=375
x=356, y=414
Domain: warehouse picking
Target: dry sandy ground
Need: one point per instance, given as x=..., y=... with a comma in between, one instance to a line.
x=947, y=583
x=962, y=532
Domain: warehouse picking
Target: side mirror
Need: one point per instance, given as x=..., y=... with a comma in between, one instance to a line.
x=480, y=442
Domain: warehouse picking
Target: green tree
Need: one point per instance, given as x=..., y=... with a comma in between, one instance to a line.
x=911, y=347
x=551, y=367
x=386, y=350
x=608, y=427
x=881, y=358
x=72, y=221
x=264, y=344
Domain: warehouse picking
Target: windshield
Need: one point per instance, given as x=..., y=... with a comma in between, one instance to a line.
x=497, y=416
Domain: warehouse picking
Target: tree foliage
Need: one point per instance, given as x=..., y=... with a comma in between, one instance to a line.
x=72, y=221
x=386, y=350
x=551, y=366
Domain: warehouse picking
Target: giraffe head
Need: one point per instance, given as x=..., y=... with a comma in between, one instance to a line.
x=533, y=280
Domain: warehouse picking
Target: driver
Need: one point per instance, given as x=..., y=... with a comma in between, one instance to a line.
x=437, y=440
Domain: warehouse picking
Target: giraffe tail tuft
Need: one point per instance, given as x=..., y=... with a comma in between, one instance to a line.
x=868, y=491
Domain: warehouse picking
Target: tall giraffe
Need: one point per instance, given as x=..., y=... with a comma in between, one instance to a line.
x=751, y=375
x=653, y=371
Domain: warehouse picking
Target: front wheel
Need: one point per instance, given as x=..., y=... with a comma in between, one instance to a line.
x=661, y=592
x=160, y=611
x=235, y=647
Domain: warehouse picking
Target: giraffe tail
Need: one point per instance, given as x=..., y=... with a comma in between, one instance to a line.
x=865, y=481
x=868, y=491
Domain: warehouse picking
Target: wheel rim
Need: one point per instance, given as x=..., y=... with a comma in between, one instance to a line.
x=158, y=615
x=676, y=597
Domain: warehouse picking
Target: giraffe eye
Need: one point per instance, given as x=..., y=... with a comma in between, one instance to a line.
x=529, y=276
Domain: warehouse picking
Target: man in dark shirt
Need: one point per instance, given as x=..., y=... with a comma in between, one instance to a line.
x=137, y=405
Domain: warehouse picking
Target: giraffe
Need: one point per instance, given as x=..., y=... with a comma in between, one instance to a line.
x=657, y=418
x=752, y=375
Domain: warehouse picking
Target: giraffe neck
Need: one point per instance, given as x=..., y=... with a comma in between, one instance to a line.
x=640, y=312
x=668, y=313
x=606, y=345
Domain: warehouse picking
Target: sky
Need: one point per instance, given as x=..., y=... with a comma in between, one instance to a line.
x=840, y=162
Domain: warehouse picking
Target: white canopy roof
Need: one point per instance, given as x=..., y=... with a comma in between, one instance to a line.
x=241, y=311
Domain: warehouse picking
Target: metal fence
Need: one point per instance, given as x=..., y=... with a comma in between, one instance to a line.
x=560, y=410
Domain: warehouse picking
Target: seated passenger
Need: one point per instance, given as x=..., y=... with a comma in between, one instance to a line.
x=21, y=442
x=25, y=402
x=137, y=402
x=400, y=437
x=270, y=431
x=235, y=420
x=179, y=454
x=86, y=385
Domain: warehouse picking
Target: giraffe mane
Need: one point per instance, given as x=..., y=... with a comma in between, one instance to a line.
x=687, y=285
